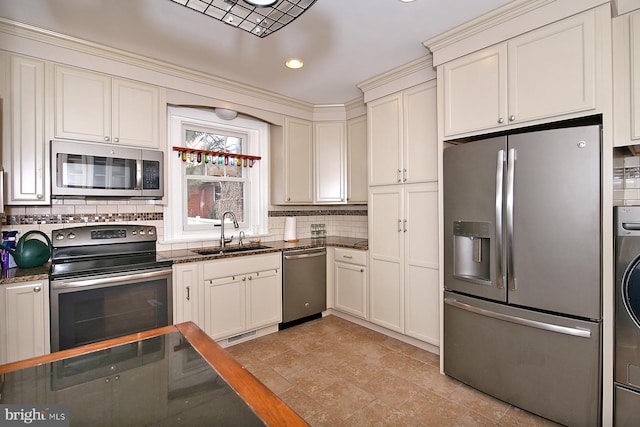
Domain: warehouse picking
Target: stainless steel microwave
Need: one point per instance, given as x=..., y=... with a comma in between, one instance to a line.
x=88, y=169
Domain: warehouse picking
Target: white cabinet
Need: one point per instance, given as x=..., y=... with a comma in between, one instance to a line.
x=187, y=279
x=357, y=184
x=330, y=162
x=402, y=135
x=25, y=149
x=351, y=282
x=241, y=294
x=403, y=254
x=96, y=107
x=548, y=72
x=24, y=320
x=292, y=162
x=626, y=79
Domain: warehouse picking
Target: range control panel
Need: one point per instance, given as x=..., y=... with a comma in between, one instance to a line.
x=102, y=234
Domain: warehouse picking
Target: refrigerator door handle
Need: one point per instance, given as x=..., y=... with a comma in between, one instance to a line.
x=511, y=162
x=500, y=270
x=576, y=332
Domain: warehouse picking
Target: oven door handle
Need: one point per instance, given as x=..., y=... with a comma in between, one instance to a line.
x=71, y=283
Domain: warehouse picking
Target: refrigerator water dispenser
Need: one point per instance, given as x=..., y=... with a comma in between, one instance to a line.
x=472, y=251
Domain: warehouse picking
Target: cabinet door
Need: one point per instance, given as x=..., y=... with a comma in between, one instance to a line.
x=264, y=298
x=83, y=105
x=351, y=289
x=420, y=134
x=475, y=91
x=135, y=114
x=384, y=134
x=385, y=254
x=552, y=70
x=422, y=314
x=25, y=315
x=186, y=298
x=357, y=184
x=330, y=162
x=224, y=306
x=26, y=150
x=298, y=160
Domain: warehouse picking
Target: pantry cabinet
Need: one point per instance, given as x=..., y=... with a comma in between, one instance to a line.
x=24, y=320
x=626, y=79
x=292, y=162
x=402, y=135
x=24, y=121
x=403, y=254
x=357, y=183
x=549, y=72
x=351, y=282
x=96, y=107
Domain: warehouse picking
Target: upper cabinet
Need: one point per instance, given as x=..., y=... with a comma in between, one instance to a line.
x=626, y=79
x=402, y=135
x=318, y=162
x=357, y=185
x=548, y=72
x=96, y=107
x=292, y=162
x=23, y=90
x=330, y=162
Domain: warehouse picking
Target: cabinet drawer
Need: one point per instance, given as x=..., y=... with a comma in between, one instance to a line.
x=351, y=256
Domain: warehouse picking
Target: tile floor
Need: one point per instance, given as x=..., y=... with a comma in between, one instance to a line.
x=335, y=373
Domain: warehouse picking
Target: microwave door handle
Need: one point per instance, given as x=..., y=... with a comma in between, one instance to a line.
x=139, y=174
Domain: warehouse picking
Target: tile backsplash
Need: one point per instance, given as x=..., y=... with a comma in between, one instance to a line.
x=345, y=221
x=626, y=177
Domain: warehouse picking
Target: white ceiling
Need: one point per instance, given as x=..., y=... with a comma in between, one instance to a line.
x=342, y=42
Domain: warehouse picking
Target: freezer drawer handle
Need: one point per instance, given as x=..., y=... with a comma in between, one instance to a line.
x=576, y=332
x=631, y=226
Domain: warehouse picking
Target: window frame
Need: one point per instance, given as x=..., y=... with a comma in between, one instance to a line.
x=257, y=179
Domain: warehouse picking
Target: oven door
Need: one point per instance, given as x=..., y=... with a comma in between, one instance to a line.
x=95, y=308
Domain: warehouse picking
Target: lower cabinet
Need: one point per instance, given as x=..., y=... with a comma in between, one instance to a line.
x=24, y=320
x=351, y=282
x=231, y=296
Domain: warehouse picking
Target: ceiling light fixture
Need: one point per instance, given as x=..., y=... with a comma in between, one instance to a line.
x=258, y=17
x=226, y=114
x=294, y=63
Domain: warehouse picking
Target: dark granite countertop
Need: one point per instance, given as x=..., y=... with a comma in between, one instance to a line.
x=17, y=275
x=192, y=255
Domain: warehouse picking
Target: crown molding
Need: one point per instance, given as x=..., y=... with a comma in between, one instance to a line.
x=508, y=21
x=415, y=72
x=42, y=35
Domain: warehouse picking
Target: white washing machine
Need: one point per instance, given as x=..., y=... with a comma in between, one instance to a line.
x=627, y=322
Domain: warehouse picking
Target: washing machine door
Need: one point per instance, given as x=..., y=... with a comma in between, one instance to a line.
x=631, y=293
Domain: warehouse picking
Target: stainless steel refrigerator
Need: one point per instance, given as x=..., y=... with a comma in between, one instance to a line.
x=522, y=313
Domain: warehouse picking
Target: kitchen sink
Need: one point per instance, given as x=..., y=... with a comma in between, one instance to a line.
x=229, y=249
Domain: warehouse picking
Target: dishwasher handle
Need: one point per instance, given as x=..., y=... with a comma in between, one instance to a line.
x=302, y=254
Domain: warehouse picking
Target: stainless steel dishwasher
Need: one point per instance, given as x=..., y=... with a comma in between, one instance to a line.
x=304, y=288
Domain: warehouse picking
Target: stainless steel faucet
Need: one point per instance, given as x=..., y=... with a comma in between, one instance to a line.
x=224, y=241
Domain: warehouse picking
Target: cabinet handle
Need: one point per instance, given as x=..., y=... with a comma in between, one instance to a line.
x=399, y=225
x=405, y=226
x=347, y=256
x=362, y=270
x=39, y=196
x=404, y=175
x=188, y=293
x=500, y=120
x=398, y=175
x=512, y=118
x=106, y=138
x=116, y=139
x=250, y=278
x=37, y=289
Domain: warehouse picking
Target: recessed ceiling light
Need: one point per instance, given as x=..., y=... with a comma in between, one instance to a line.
x=261, y=3
x=294, y=63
